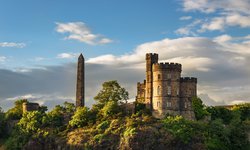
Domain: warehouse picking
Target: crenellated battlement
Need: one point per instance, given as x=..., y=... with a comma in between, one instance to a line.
x=167, y=66
x=151, y=55
x=189, y=79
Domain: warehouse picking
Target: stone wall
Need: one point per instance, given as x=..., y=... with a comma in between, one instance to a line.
x=30, y=107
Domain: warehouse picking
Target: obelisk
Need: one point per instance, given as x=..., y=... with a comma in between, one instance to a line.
x=80, y=82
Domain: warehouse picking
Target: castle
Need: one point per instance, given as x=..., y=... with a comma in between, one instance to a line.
x=164, y=91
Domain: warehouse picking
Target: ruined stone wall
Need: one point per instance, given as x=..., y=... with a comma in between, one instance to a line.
x=141, y=92
x=30, y=107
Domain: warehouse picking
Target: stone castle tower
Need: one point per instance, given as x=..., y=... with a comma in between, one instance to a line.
x=80, y=82
x=164, y=91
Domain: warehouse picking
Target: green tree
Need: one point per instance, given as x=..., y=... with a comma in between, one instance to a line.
x=110, y=109
x=218, y=136
x=69, y=107
x=220, y=113
x=199, y=108
x=31, y=121
x=111, y=91
x=2, y=123
x=244, y=110
x=17, y=111
x=82, y=117
x=56, y=116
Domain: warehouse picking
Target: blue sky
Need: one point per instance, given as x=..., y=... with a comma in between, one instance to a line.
x=210, y=38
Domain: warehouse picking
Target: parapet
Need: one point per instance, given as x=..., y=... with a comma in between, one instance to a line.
x=151, y=56
x=143, y=84
x=30, y=106
x=167, y=66
x=189, y=79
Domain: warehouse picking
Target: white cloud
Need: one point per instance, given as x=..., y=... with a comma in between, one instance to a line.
x=12, y=44
x=185, y=17
x=217, y=23
x=210, y=6
x=27, y=96
x=80, y=32
x=223, y=38
x=238, y=20
x=67, y=55
x=2, y=59
x=188, y=30
x=226, y=13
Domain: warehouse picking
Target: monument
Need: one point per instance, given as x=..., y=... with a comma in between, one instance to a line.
x=80, y=88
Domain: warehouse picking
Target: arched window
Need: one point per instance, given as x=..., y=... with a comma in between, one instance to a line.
x=169, y=90
x=159, y=77
x=158, y=90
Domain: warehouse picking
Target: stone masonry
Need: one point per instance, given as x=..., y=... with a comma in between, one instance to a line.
x=80, y=87
x=28, y=106
x=164, y=91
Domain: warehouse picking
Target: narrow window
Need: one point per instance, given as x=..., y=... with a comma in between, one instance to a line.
x=169, y=90
x=169, y=75
x=158, y=104
x=185, y=104
x=168, y=104
x=159, y=77
x=177, y=92
x=158, y=90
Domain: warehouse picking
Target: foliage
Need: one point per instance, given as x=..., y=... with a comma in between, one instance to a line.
x=183, y=129
x=130, y=131
x=218, y=136
x=199, y=108
x=16, y=140
x=32, y=121
x=2, y=124
x=110, y=109
x=111, y=91
x=244, y=110
x=29, y=126
x=69, y=107
x=103, y=126
x=43, y=109
x=141, y=109
x=15, y=113
x=220, y=113
x=56, y=116
x=82, y=117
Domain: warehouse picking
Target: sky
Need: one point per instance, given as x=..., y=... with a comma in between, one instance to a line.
x=41, y=40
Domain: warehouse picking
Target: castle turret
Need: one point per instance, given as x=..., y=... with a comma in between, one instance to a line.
x=188, y=90
x=166, y=89
x=151, y=58
x=80, y=82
